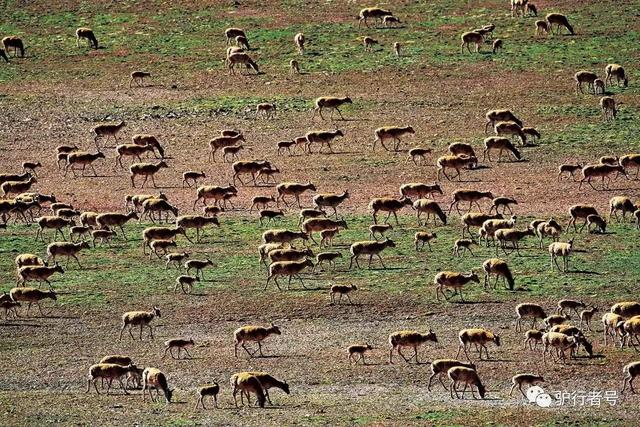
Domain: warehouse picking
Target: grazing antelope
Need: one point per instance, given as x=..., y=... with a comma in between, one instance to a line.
x=138, y=77
x=429, y=207
x=510, y=128
x=400, y=339
x=467, y=376
x=294, y=67
x=247, y=384
x=560, y=21
x=232, y=33
x=440, y=367
x=109, y=371
x=561, y=342
x=154, y=378
x=542, y=27
x=145, y=139
x=266, y=110
x=580, y=212
x=617, y=71
x=86, y=33
x=608, y=106
x=14, y=42
x=600, y=225
x=332, y=103
x=242, y=42
x=587, y=77
x=495, y=116
x=389, y=205
x=598, y=87
x=499, y=268
x=506, y=235
x=497, y=45
x=299, y=40
x=372, y=12
x=453, y=280
x=458, y=162
x=106, y=130
x=391, y=133
x=471, y=37
x=500, y=144
x=266, y=381
x=243, y=59
x=147, y=170
x=368, y=43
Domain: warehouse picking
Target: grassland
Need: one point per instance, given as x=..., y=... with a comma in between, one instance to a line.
x=59, y=92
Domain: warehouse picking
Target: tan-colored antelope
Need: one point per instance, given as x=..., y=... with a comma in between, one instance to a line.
x=391, y=133
x=84, y=159
x=147, y=170
x=560, y=21
x=469, y=38
x=458, y=162
x=107, y=130
x=331, y=103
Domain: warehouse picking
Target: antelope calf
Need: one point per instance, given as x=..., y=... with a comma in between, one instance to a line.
x=192, y=176
x=138, y=77
x=266, y=110
x=341, y=290
x=368, y=43
x=608, y=106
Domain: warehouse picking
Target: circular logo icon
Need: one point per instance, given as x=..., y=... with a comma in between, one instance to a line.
x=533, y=392
x=543, y=400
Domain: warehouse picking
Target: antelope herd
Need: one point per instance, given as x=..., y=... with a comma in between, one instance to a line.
x=280, y=251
